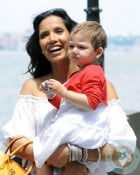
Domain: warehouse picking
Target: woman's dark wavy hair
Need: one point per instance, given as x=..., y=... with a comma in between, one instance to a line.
x=39, y=65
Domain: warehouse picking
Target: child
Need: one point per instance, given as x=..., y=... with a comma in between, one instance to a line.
x=81, y=101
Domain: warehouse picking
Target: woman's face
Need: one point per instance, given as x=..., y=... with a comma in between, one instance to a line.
x=53, y=38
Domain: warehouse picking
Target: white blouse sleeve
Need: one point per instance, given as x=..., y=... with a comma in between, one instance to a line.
x=22, y=121
x=29, y=117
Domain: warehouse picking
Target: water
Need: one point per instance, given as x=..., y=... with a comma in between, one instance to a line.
x=121, y=67
x=13, y=64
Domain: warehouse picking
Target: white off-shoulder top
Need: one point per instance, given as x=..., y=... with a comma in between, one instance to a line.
x=33, y=115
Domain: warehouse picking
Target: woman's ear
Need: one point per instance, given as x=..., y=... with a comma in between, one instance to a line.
x=99, y=52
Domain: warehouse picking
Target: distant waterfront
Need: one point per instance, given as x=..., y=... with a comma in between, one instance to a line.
x=15, y=41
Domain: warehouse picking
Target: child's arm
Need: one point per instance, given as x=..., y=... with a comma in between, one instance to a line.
x=77, y=99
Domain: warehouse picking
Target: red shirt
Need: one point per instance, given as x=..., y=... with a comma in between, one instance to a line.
x=90, y=81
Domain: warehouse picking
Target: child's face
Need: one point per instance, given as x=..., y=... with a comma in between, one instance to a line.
x=81, y=51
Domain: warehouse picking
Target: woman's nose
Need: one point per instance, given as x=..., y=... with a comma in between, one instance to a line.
x=52, y=37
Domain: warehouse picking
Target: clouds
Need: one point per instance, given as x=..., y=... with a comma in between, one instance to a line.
x=117, y=17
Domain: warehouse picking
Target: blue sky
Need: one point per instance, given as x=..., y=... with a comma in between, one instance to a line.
x=117, y=17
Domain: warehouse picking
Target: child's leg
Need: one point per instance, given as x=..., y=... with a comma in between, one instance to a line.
x=44, y=170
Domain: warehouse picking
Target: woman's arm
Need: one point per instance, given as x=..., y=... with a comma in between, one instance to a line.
x=26, y=152
x=61, y=156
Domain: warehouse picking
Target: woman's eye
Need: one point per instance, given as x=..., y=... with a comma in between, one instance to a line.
x=58, y=30
x=43, y=35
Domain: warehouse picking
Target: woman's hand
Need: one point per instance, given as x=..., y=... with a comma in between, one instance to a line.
x=60, y=157
x=75, y=168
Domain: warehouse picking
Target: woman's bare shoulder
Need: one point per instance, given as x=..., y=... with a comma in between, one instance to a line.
x=29, y=87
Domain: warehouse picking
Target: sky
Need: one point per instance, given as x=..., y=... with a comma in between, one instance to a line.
x=118, y=17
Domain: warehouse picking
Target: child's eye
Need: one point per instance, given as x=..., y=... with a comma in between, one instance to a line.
x=82, y=47
x=71, y=46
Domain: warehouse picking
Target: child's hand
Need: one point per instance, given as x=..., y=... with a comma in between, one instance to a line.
x=45, y=88
x=54, y=86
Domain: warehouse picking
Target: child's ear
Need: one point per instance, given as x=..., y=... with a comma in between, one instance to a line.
x=99, y=52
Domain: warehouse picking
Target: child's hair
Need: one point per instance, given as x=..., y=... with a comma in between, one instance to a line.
x=91, y=31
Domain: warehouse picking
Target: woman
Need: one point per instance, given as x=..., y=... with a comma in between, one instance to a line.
x=47, y=48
